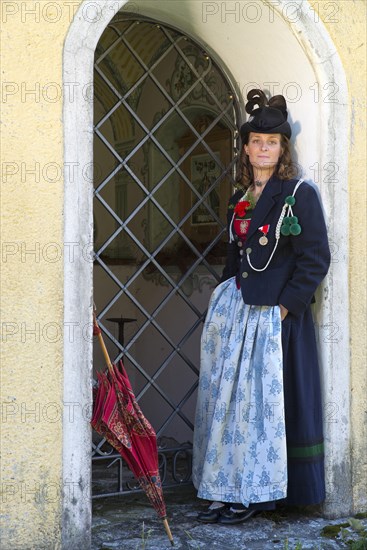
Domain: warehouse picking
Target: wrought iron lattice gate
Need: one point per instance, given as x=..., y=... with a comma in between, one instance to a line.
x=165, y=148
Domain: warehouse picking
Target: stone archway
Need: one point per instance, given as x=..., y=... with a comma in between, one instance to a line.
x=319, y=52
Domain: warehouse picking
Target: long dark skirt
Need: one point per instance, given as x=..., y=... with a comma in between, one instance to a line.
x=303, y=414
x=303, y=411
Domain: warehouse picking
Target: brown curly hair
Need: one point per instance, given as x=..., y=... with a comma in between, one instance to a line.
x=286, y=169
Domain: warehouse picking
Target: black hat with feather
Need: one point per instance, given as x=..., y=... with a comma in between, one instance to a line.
x=266, y=117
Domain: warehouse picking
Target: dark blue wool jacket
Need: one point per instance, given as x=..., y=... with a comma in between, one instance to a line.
x=300, y=262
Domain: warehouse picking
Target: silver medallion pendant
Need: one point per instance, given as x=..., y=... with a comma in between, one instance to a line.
x=263, y=240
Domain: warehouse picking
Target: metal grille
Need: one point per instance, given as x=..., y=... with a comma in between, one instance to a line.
x=165, y=147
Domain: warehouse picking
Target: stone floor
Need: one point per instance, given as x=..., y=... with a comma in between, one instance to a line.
x=129, y=523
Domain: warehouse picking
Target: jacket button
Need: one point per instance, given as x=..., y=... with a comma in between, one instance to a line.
x=248, y=250
x=245, y=274
x=239, y=243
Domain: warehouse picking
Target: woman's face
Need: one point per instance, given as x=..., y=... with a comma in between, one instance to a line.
x=264, y=150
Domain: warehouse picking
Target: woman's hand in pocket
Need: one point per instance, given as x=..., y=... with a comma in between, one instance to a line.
x=283, y=312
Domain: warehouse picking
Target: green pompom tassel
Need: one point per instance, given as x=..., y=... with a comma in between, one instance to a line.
x=287, y=220
x=285, y=230
x=295, y=229
x=293, y=219
x=290, y=200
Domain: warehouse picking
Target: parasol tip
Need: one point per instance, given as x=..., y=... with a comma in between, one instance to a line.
x=168, y=531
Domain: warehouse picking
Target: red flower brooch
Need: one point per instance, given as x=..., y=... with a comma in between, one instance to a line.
x=241, y=208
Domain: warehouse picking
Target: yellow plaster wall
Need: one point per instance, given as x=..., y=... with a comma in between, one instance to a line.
x=32, y=284
x=345, y=21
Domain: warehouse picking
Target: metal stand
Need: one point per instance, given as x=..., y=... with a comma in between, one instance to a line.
x=121, y=324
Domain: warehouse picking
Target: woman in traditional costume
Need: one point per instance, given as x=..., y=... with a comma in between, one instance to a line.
x=258, y=435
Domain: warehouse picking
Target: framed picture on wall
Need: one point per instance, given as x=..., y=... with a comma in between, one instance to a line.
x=205, y=171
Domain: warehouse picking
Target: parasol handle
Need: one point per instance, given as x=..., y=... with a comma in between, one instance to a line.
x=98, y=332
x=168, y=531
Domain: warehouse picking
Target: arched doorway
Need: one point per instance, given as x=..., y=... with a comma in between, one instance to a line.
x=164, y=153
x=311, y=49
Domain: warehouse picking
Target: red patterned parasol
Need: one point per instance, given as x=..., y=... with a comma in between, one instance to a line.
x=118, y=417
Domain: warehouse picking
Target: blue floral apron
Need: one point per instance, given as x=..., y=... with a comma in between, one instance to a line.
x=239, y=450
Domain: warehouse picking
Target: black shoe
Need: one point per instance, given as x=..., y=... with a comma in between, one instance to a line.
x=227, y=517
x=211, y=516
